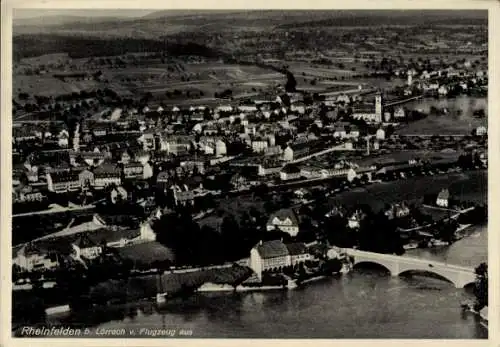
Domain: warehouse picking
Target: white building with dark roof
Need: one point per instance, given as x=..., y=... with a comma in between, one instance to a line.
x=284, y=220
x=274, y=255
x=443, y=197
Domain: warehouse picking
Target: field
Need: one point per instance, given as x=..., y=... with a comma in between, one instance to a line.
x=469, y=186
x=47, y=85
x=399, y=156
x=190, y=81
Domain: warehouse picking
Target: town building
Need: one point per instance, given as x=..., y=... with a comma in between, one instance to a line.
x=84, y=247
x=399, y=113
x=397, y=211
x=355, y=219
x=290, y=172
x=259, y=145
x=86, y=178
x=28, y=194
x=176, y=144
x=288, y=154
x=368, y=114
x=284, y=220
x=63, y=182
x=29, y=258
x=182, y=195
x=481, y=130
x=380, y=134
x=443, y=198
x=133, y=170
x=275, y=255
x=106, y=175
x=117, y=194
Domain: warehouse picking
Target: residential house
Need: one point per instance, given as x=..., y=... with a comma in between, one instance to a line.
x=31, y=172
x=196, y=165
x=118, y=193
x=220, y=148
x=100, y=131
x=259, y=144
x=106, y=175
x=63, y=138
x=273, y=151
x=443, y=198
x=147, y=139
x=21, y=134
x=84, y=247
x=126, y=157
x=399, y=113
x=28, y=194
x=62, y=182
x=86, y=178
x=290, y=172
x=163, y=180
x=94, y=158
x=481, y=130
x=443, y=90
x=133, y=170
x=288, y=154
x=176, y=144
x=269, y=166
x=182, y=195
x=284, y=220
x=340, y=132
x=210, y=130
x=142, y=157
x=397, y=211
x=355, y=219
x=147, y=171
x=380, y=134
x=29, y=258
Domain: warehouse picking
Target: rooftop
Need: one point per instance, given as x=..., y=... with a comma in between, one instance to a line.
x=272, y=249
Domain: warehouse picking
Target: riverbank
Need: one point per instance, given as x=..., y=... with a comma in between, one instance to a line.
x=482, y=314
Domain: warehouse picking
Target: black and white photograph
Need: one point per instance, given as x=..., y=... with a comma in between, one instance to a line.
x=249, y=173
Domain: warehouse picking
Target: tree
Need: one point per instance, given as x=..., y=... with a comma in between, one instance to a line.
x=291, y=83
x=481, y=286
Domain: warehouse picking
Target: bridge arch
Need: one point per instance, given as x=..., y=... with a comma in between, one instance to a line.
x=435, y=274
x=381, y=265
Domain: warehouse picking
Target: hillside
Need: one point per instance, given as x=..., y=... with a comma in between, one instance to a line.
x=169, y=22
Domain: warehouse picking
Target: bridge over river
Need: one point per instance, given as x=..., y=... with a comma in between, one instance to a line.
x=460, y=276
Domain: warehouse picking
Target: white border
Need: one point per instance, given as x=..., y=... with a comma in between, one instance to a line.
x=6, y=163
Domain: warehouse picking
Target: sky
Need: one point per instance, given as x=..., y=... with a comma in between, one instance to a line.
x=34, y=13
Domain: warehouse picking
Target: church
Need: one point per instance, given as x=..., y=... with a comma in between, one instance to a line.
x=368, y=114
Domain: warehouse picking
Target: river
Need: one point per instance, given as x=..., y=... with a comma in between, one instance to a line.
x=450, y=124
x=366, y=303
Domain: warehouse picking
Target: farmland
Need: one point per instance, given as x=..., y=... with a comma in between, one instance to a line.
x=194, y=81
x=469, y=186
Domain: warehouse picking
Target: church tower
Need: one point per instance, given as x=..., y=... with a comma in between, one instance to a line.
x=378, y=105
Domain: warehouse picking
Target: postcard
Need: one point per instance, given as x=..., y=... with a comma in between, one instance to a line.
x=204, y=173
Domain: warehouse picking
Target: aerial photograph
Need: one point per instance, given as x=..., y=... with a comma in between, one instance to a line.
x=284, y=174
